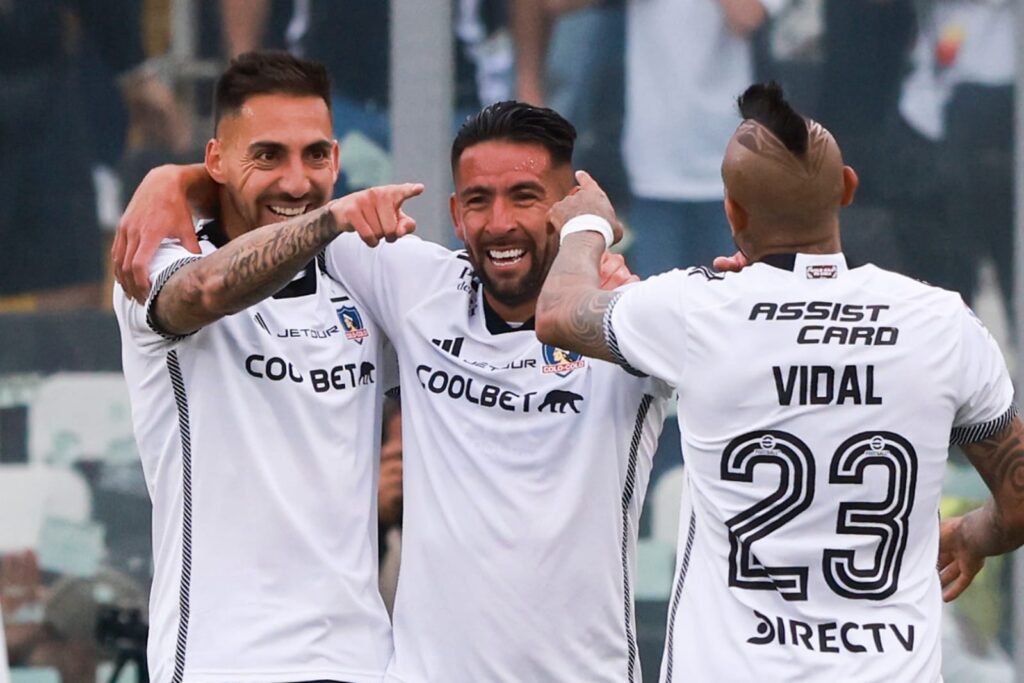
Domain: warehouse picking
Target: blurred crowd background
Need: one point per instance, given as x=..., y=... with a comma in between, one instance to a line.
x=94, y=93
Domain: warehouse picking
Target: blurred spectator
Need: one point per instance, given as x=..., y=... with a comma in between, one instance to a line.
x=569, y=56
x=686, y=62
x=21, y=600
x=4, y=674
x=864, y=49
x=389, y=501
x=62, y=626
x=954, y=173
x=351, y=38
x=159, y=127
x=60, y=115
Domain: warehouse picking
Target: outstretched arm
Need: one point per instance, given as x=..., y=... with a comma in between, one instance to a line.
x=572, y=305
x=252, y=267
x=998, y=526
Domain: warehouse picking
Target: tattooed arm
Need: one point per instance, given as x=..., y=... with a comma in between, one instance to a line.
x=571, y=307
x=572, y=303
x=259, y=263
x=998, y=526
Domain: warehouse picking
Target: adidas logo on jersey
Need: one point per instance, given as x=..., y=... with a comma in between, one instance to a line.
x=452, y=346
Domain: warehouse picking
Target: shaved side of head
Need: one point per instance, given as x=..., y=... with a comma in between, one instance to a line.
x=784, y=170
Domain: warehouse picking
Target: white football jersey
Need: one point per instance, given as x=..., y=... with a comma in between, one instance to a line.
x=259, y=437
x=816, y=407
x=525, y=468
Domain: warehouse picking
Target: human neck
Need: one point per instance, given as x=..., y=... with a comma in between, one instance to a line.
x=511, y=314
x=782, y=242
x=233, y=223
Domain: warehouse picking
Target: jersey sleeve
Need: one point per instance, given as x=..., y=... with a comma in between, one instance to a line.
x=137, y=319
x=384, y=278
x=645, y=328
x=985, y=392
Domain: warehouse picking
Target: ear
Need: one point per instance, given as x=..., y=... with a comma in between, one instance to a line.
x=737, y=215
x=453, y=207
x=215, y=160
x=850, y=183
x=336, y=158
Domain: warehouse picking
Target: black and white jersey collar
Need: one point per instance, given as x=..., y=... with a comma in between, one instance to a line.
x=495, y=323
x=810, y=266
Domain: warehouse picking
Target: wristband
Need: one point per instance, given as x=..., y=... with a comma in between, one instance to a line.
x=588, y=221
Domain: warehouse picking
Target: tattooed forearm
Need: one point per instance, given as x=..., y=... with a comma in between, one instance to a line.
x=246, y=270
x=571, y=307
x=584, y=321
x=261, y=266
x=999, y=526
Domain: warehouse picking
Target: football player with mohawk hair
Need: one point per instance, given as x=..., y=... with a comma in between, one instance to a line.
x=817, y=402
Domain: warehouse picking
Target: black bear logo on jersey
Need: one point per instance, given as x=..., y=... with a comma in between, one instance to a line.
x=558, y=400
x=366, y=373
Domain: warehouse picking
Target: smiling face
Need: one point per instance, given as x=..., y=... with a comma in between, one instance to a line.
x=275, y=159
x=503, y=191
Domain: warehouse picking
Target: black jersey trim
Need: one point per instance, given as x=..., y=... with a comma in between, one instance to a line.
x=161, y=281
x=613, y=342
x=785, y=261
x=706, y=272
x=304, y=283
x=181, y=399
x=628, y=491
x=213, y=231
x=684, y=566
x=960, y=436
x=496, y=325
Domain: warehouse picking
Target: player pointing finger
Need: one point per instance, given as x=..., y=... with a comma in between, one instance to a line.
x=376, y=213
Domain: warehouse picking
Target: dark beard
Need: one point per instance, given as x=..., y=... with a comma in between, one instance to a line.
x=518, y=293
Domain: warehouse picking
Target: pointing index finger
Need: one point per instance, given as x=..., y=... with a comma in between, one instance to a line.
x=407, y=191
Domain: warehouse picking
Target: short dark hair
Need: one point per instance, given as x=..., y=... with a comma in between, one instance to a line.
x=517, y=122
x=264, y=72
x=766, y=104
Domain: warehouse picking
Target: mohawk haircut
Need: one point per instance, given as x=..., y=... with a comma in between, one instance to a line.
x=766, y=104
x=265, y=72
x=517, y=122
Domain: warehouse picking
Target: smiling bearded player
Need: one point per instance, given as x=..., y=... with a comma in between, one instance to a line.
x=524, y=466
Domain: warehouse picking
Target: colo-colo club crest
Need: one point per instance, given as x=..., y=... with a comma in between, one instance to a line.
x=560, y=361
x=352, y=323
